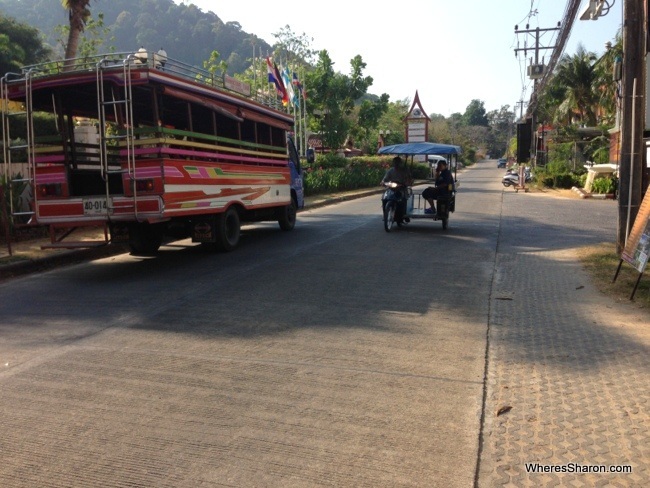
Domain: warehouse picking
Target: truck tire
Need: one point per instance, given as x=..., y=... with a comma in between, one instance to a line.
x=228, y=230
x=287, y=218
x=145, y=239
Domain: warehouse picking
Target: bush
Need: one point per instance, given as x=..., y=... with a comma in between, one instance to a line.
x=558, y=174
x=12, y=199
x=604, y=185
x=331, y=173
x=582, y=180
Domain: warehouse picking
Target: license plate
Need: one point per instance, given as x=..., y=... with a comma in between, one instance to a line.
x=95, y=206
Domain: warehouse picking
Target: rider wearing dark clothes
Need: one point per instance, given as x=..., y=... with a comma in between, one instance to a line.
x=400, y=174
x=444, y=185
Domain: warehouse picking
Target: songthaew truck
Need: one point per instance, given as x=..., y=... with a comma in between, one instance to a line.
x=146, y=146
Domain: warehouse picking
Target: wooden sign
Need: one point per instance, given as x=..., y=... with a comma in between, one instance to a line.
x=637, y=247
x=237, y=86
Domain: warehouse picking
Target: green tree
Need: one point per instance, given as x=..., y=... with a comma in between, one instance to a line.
x=475, y=114
x=440, y=129
x=605, y=85
x=502, y=127
x=20, y=45
x=216, y=68
x=78, y=14
x=95, y=35
x=550, y=99
x=368, y=116
x=294, y=50
x=332, y=97
x=391, y=121
x=577, y=74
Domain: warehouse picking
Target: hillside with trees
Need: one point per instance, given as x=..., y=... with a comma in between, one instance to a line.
x=202, y=39
x=184, y=31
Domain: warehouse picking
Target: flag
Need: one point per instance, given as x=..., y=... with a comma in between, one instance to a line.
x=269, y=71
x=298, y=91
x=286, y=78
x=282, y=91
x=301, y=87
x=275, y=78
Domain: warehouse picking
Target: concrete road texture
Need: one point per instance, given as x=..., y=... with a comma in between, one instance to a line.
x=335, y=355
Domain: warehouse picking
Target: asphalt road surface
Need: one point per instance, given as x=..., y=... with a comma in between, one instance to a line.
x=334, y=355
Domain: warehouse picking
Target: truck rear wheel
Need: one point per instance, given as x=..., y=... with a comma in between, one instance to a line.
x=145, y=239
x=228, y=230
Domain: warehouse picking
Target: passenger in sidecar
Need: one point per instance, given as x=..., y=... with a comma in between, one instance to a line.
x=444, y=187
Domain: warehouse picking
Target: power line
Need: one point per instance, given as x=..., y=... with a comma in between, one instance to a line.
x=570, y=14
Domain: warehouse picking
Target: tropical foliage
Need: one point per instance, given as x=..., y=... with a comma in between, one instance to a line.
x=20, y=45
x=580, y=103
x=339, y=106
x=183, y=30
x=333, y=173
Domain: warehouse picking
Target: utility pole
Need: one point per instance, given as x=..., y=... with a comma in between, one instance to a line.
x=632, y=119
x=535, y=72
x=521, y=104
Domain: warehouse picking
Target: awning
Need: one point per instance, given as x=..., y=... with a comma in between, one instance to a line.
x=414, y=148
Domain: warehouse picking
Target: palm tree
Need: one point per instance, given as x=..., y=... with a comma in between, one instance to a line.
x=79, y=14
x=606, y=86
x=577, y=74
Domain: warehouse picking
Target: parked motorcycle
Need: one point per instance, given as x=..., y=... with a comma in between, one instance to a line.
x=393, y=203
x=511, y=178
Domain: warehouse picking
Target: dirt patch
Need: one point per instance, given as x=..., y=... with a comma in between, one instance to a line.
x=554, y=192
x=601, y=262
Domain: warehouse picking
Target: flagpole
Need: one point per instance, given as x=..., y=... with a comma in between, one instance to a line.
x=304, y=119
x=254, y=71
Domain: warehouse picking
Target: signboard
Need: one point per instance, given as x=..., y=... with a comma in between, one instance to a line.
x=637, y=247
x=237, y=86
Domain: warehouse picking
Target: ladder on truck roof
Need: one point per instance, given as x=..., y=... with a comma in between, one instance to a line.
x=22, y=194
x=122, y=106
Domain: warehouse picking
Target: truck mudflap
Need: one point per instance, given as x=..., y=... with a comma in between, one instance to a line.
x=204, y=230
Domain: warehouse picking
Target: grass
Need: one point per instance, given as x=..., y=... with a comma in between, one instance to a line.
x=601, y=262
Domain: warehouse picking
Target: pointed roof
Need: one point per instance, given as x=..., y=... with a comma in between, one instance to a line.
x=415, y=107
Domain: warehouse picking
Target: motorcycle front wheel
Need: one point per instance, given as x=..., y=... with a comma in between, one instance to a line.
x=389, y=215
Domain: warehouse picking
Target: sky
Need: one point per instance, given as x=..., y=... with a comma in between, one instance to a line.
x=449, y=51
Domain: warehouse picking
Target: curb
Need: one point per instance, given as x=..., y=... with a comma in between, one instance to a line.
x=323, y=202
x=75, y=256
x=597, y=196
x=72, y=256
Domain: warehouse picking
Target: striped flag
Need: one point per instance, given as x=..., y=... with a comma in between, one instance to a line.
x=275, y=78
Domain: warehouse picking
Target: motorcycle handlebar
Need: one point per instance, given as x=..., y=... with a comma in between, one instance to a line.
x=393, y=184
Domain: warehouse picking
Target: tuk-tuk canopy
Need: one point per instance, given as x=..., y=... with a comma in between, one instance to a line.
x=415, y=148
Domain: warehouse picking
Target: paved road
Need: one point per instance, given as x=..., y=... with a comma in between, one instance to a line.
x=335, y=355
